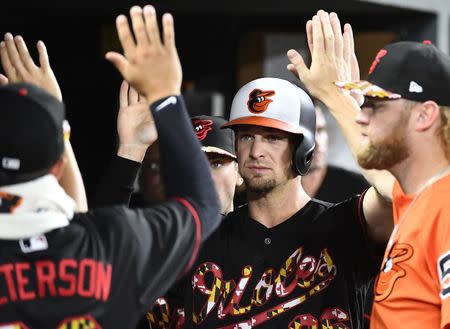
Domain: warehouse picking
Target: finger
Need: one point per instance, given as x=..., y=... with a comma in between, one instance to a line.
x=309, y=35
x=118, y=60
x=169, y=31
x=123, y=95
x=14, y=57
x=317, y=35
x=337, y=32
x=151, y=25
x=133, y=96
x=138, y=25
x=327, y=32
x=44, y=62
x=347, y=50
x=24, y=53
x=6, y=63
x=124, y=33
x=3, y=80
x=297, y=61
x=293, y=70
x=354, y=60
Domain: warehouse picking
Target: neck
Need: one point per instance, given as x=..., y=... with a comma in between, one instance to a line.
x=278, y=205
x=414, y=172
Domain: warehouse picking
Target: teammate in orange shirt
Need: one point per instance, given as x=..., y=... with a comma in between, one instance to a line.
x=404, y=128
x=405, y=125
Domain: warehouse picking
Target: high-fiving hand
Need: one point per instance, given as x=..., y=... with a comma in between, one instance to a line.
x=20, y=67
x=152, y=67
x=135, y=123
x=332, y=55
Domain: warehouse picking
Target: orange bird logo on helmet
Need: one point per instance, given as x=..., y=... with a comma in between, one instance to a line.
x=202, y=127
x=259, y=100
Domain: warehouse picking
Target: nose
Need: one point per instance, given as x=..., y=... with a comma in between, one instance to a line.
x=362, y=118
x=256, y=149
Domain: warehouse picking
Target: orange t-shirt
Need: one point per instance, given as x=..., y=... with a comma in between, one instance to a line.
x=413, y=287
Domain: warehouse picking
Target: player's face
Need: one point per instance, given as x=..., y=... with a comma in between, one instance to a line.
x=264, y=156
x=225, y=175
x=384, y=132
x=313, y=180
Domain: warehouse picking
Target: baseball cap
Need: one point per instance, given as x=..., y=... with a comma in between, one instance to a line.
x=212, y=137
x=406, y=69
x=270, y=102
x=31, y=128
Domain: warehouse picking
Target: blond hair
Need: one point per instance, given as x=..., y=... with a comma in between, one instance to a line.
x=445, y=129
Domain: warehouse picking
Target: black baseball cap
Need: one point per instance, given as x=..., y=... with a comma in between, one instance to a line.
x=31, y=128
x=212, y=138
x=406, y=69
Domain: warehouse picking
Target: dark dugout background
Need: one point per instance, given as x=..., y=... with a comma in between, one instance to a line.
x=219, y=42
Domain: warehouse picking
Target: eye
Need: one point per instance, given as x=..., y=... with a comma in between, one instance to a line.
x=215, y=164
x=274, y=138
x=245, y=137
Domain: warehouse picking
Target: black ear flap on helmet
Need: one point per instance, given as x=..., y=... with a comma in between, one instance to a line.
x=304, y=152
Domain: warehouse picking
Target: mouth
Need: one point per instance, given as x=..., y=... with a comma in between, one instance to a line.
x=258, y=169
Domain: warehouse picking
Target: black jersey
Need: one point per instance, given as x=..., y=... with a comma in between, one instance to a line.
x=107, y=266
x=311, y=271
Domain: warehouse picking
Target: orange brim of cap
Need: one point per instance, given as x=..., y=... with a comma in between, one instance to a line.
x=366, y=88
x=264, y=122
x=214, y=149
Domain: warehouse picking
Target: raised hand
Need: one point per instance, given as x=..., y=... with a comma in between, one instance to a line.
x=152, y=67
x=135, y=124
x=20, y=67
x=332, y=52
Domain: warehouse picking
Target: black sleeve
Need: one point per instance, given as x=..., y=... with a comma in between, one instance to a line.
x=184, y=167
x=117, y=183
x=364, y=254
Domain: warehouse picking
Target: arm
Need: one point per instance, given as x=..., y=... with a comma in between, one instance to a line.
x=185, y=169
x=333, y=59
x=20, y=67
x=137, y=131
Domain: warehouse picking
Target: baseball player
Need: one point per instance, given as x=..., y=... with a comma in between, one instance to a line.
x=103, y=268
x=404, y=124
x=284, y=260
x=405, y=129
x=218, y=145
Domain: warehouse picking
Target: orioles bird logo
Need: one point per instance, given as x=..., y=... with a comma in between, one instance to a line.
x=377, y=59
x=391, y=270
x=202, y=127
x=9, y=203
x=259, y=100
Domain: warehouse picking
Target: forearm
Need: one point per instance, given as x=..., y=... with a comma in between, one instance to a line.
x=184, y=167
x=344, y=109
x=117, y=183
x=71, y=179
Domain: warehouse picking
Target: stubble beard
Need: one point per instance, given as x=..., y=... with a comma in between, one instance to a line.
x=385, y=154
x=259, y=186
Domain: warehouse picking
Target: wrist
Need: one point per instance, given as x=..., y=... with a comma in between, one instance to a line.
x=153, y=98
x=132, y=152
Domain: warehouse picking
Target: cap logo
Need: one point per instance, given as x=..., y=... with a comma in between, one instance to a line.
x=10, y=163
x=258, y=100
x=380, y=55
x=414, y=87
x=202, y=127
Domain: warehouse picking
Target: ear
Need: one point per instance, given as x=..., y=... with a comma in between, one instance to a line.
x=58, y=168
x=427, y=114
x=239, y=179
